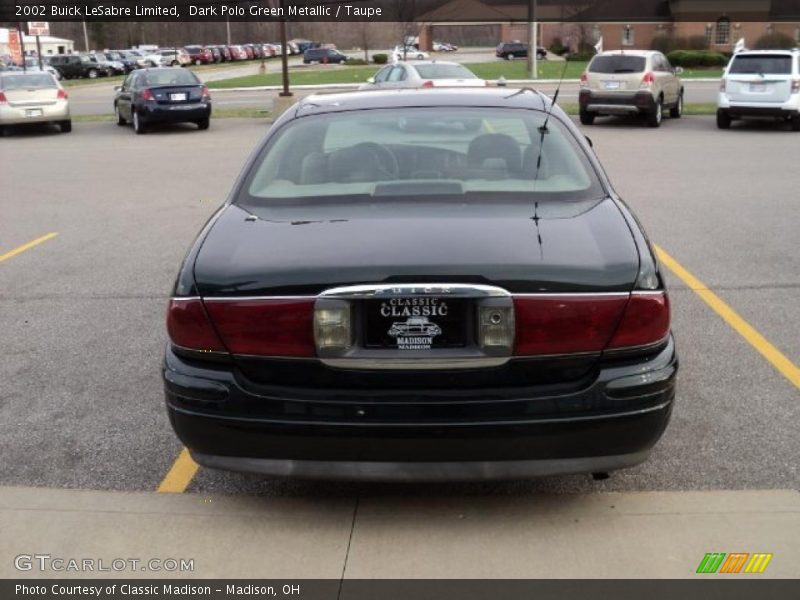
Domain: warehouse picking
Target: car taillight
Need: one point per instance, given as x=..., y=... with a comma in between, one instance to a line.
x=427, y=83
x=723, y=84
x=3, y=98
x=147, y=94
x=265, y=327
x=62, y=94
x=206, y=93
x=584, y=81
x=564, y=324
x=648, y=80
x=189, y=327
x=795, y=86
x=645, y=321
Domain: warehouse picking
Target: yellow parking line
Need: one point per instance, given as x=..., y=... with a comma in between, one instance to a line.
x=28, y=246
x=775, y=357
x=180, y=475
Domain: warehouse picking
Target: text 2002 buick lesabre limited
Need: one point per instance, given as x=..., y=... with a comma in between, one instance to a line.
x=429, y=285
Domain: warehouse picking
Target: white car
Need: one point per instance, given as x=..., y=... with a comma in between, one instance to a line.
x=423, y=74
x=760, y=83
x=408, y=53
x=33, y=97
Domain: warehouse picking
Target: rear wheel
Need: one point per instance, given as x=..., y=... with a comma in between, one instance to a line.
x=93, y=73
x=120, y=120
x=203, y=123
x=676, y=111
x=509, y=57
x=655, y=116
x=198, y=62
x=65, y=126
x=723, y=119
x=587, y=118
x=138, y=126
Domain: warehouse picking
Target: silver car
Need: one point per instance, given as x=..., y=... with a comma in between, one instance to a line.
x=32, y=64
x=33, y=98
x=421, y=74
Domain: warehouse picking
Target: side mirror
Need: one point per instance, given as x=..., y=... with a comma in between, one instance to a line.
x=371, y=80
x=117, y=88
x=678, y=70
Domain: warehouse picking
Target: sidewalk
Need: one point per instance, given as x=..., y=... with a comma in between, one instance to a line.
x=614, y=535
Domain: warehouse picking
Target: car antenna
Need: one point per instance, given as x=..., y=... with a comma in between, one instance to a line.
x=542, y=131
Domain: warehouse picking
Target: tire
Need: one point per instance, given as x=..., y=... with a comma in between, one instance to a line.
x=655, y=116
x=723, y=119
x=65, y=126
x=676, y=111
x=92, y=73
x=120, y=120
x=138, y=126
x=509, y=57
x=198, y=62
x=587, y=118
x=795, y=123
x=174, y=63
x=203, y=124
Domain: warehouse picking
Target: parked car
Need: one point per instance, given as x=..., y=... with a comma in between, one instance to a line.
x=128, y=63
x=292, y=48
x=199, y=55
x=35, y=97
x=560, y=360
x=174, y=57
x=408, y=53
x=248, y=52
x=625, y=82
x=225, y=53
x=153, y=58
x=32, y=64
x=323, y=55
x=238, y=53
x=761, y=83
x=111, y=67
x=258, y=50
x=444, y=47
x=162, y=95
x=72, y=66
x=216, y=55
x=423, y=74
x=138, y=56
x=512, y=50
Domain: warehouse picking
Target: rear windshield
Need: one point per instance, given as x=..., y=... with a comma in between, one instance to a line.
x=776, y=64
x=419, y=152
x=444, y=72
x=617, y=64
x=169, y=77
x=27, y=81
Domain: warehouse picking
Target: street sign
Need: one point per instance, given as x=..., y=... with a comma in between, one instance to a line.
x=38, y=28
x=15, y=46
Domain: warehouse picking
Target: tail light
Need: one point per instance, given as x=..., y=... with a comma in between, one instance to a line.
x=584, y=81
x=62, y=94
x=206, y=93
x=795, y=86
x=645, y=322
x=648, y=80
x=427, y=83
x=550, y=324
x=3, y=98
x=189, y=326
x=265, y=327
x=147, y=94
x=723, y=84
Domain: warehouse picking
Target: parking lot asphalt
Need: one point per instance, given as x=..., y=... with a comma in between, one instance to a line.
x=82, y=313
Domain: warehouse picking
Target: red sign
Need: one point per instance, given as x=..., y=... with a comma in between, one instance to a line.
x=14, y=46
x=38, y=28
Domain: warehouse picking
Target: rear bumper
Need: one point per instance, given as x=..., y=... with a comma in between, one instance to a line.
x=616, y=104
x=176, y=113
x=790, y=108
x=13, y=115
x=611, y=424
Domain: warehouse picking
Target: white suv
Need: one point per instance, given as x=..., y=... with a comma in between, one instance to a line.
x=761, y=83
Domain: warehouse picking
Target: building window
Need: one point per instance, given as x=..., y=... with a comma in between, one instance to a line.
x=627, y=36
x=723, y=31
x=709, y=34
x=797, y=35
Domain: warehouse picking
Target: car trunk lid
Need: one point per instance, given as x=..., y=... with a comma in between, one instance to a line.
x=762, y=78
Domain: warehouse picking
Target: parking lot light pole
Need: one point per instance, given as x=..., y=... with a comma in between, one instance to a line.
x=532, y=40
x=284, y=62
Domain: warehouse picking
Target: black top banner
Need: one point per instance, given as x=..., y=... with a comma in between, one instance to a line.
x=429, y=11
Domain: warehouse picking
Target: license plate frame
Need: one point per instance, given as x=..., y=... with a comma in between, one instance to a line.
x=758, y=88
x=178, y=97
x=31, y=113
x=407, y=324
x=612, y=85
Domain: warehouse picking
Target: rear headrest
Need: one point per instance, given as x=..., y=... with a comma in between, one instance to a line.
x=493, y=146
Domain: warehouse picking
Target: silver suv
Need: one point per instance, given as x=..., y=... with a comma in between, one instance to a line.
x=621, y=82
x=761, y=83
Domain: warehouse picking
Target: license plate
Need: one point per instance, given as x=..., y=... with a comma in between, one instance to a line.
x=612, y=85
x=33, y=112
x=758, y=87
x=415, y=323
x=177, y=97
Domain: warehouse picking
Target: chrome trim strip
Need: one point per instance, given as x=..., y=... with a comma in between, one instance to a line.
x=357, y=292
x=183, y=298
x=419, y=364
x=450, y=290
